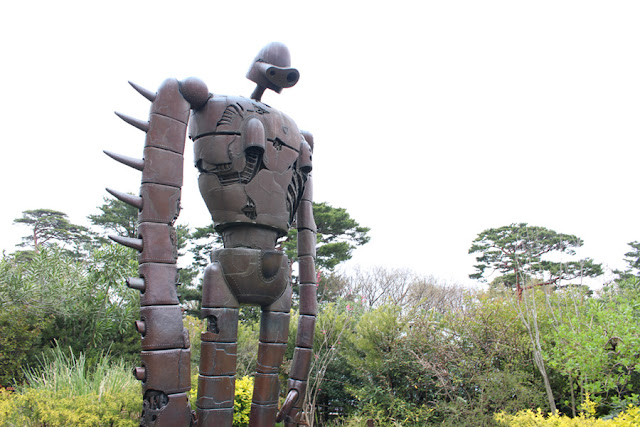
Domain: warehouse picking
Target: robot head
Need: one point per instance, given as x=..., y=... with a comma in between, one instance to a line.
x=271, y=69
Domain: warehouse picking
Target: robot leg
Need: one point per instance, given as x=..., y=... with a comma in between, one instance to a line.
x=216, y=382
x=274, y=333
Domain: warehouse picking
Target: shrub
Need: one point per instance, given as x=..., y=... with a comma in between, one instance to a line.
x=63, y=391
x=241, y=403
x=37, y=407
x=21, y=332
x=529, y=418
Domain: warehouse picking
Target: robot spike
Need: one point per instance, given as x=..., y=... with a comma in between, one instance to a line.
x=143, y=126
x=129, y=161
x=141, y=327
x=129, y=199
x=144, y=92
x=140, y=373
x=128, y=241
x=136, y=283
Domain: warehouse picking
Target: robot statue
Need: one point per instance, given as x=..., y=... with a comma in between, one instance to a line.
x=255, y=179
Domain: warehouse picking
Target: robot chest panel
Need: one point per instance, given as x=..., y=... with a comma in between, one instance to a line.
x=247, y=153
x=227, y=128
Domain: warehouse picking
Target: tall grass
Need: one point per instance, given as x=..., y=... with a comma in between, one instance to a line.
x=69, y=375
x=66, y=390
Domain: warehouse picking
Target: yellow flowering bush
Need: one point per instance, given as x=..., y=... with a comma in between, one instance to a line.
x=40, y=407
x=241, y=403
x=529, y=418
x=67, y=391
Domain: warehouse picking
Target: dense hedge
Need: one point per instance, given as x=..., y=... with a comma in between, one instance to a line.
x=42, y=407
x=529, y=418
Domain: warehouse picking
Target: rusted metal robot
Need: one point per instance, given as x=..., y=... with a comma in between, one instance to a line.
x=255, y=179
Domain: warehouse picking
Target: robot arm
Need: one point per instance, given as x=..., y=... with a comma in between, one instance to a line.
x=165, y=370
x=303, y=352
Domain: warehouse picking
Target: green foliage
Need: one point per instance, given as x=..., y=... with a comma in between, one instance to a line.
x=517, y=250
x=338, y=235
x=597, y=344
x=528, y=417
x=50, y=408
x=633, y=257
x=65, y=391
x=49, y=226
x=21, y=332
x=242, y=401
x=248, y=332
x=388, y=379
x=329, y=368
x=474, y=360
x=388, y=346
x=195, y=327
x=84, y=305
x=117, y=217
x=204, y=240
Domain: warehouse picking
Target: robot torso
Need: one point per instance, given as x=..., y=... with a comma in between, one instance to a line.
x=253, y=162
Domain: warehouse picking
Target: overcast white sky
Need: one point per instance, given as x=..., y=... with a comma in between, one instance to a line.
x=433, y=120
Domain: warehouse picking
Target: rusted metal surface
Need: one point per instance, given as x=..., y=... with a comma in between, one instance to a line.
x=255, y=167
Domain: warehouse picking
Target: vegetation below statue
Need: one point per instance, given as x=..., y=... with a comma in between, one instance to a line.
x=390, y=346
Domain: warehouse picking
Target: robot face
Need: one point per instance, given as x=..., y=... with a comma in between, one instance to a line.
x=271, y=68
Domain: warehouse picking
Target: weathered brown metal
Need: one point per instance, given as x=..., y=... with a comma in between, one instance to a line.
x=165, y=410
x=164, y=167
x=136, y=283
x=162, y=327
x=222, y=324
x=270, y=357
x=142, y=125
x=261, y=415
x=159, y=284
x=306, y=328
x=130, y=199
x=165, y=370
x=300, y=364
x=265, y=389
x=218, y=358
x=144, y=92
x=214, y=417
x=159, y=243
x=160, y=203
x=126, y=160
x=130, y=242
x=255, y=167
x=215, y=392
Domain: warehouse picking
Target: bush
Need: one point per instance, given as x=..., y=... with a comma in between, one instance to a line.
x=21, y=332
x=63, y=391
x=529, y=418
x=241, y=403
x=37, y=407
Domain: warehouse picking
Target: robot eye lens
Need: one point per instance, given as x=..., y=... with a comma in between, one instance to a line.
x=272, y=72
x=292, y=77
